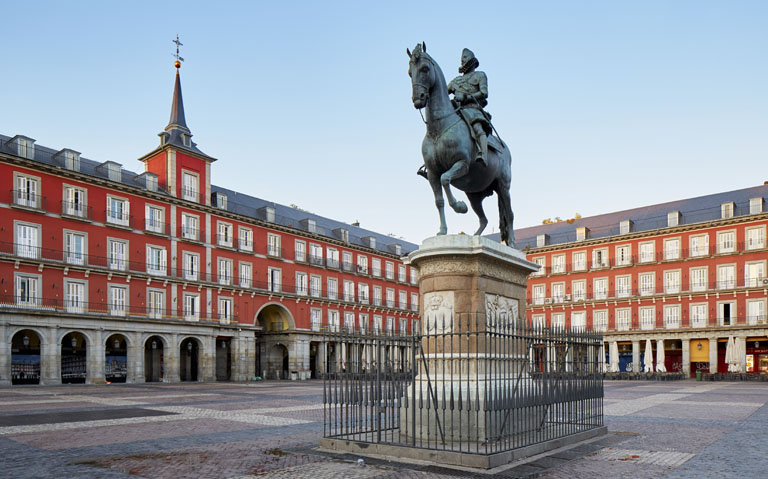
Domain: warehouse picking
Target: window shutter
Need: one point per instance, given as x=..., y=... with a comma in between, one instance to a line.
x=163, y=261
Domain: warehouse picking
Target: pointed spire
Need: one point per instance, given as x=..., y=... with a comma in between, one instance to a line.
x=177, y=107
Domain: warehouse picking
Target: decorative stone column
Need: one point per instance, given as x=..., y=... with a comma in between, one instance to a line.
x=468, y=284
x=5, y=355
x=135, y=353
x=207, y=359
x=636, y=357
x=50, y=357
x=171, y=360
x=713, y=355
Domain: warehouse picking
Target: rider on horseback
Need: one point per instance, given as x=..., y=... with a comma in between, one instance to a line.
x=470, y=93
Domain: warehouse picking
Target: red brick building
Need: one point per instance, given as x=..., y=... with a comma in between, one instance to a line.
x=687, y=275
x=161, y=276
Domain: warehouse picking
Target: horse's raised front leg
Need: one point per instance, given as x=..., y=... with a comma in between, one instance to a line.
x=460, y=168
x=434, y=182
x=476, y=202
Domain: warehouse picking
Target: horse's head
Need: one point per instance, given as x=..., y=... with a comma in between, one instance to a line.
x=422, y=72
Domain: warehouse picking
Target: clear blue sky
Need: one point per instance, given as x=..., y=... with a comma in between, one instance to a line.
x=606, y=105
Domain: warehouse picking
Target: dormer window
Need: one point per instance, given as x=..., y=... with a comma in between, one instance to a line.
x=186, y=140
x=113, y=170
x=396, y=248
x=24, y=146
x=673, y=218
x=269, y=214
x=311, y=226
x=152, y=182
x=581, y=233
x=370, y=241
x=755, y=206
x=624, y=227
x=220, y=200
x=726, y=210
x=541, y=240
x=343, y=234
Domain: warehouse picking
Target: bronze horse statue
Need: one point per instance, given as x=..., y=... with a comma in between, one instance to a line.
x=449, y=150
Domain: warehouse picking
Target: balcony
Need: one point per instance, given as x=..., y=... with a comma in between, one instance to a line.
x=361, y=269
x=75, y=210
x=332, y=263
x=274, y=251
x=26, y=199
x=348, y=266
x=316, y=260
x=118, y=218
x=225, y=240
x=192, y=194
x=156, y=227
x=190, y=233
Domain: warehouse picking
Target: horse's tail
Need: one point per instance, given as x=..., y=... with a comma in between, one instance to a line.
x=506, y=217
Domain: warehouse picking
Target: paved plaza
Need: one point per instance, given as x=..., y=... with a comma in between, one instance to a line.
x=676, y=429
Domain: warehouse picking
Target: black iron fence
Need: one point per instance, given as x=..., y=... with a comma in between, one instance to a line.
x=471, y=384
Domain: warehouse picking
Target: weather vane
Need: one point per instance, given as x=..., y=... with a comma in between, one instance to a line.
x=178, y=61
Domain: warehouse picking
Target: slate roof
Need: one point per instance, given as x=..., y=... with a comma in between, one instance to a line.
x=645, y=218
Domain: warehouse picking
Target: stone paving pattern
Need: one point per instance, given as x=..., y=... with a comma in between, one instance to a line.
x=681, y=429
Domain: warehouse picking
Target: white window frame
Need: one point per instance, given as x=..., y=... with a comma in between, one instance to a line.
x=316, y=254
x=727, y=210
x=646, y=283
x=274, y=279
x=245, y=270
x=598, y=292
x=315, y=285
x=726, y=241
x=27, y=289
x=578, y=320
x=542, y=262
x=698, y=278
x=333, y=288
x=349, y=291
x=672, y=279
x=190, y=265
x=755, y=206
x=75, y=201
x=539, y=321
x=624, y=255
x=362, y=293
x=302, y=283
x=27, y=190
x=579, y=260
x=154, y=218
x=224, y=271
x=273, y=245
x=558, y=263
x=390, y=292
x=699, y=245
x=225, y=310
x=672, y=248
x=579, y=290
x=332, y=258
x=647, y=251
x=118, y=216
x=155, y=303
x=538, y=293
x=414, y=275
x=191, y=306
x=377, y=295
x=647, y=317
x=349, y=321
x=316, y=319
x=600, y=320
x=600, y=258
x=190, y=186
x=624, y=286
x=75, y=295
x=699, y=315
x=334, y=320
x=190, y=226
x=755, y=309
x=389, y=270
x=157, y=252
x=402, y=299
x=754, y=273
x=754, y=237
x=362, y=264
x=673, y=219
x=114, y=261
x=623, y=319
x=224, y=234
x=376, y=267
x=558, y=320
x=558, y=292
x=414, y=301
x=672, y=316
x=118, y=297
x=71, y=256
x=401, y=273
x=725, y=280
x=300, y=251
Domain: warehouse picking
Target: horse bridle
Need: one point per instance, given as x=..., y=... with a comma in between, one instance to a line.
x=426, y=90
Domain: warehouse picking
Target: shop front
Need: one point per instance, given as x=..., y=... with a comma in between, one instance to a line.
x=699, y=356
x=757, y=355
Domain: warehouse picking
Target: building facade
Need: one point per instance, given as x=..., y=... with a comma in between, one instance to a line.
x=687, y=275
x=108, y=275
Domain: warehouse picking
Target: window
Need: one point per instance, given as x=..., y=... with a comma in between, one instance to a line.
x=558, y=292
x=671, y=249
x=672, y=282
x=246, y=275
x=349, y=291
x=315, y=254
x=699, y=315
x=414, y=275
x=74, y=247
x=333, y=288
x=225, y=271
x=245, y=239
x=75, y=202
x=189, y=186
x=224, y=236
x=558, y=320
x=191, y=267
x=542, y=262
x=726, y=276
x=153, y=220
x=699, y=245
x=71, y=160
x=756, y=237
x=390, y=298
x=624, y=286
x=580, y=261
x=541, y=240
x=190, y=227
x=579, y=320
x=601, y=288
x=538, y=294
x=118, y=300
x=333, y=321
x=316, y=318
x=647, y=318
x=28, y=289
x=390, y=270
x=581, y=233
x=332, y=258
x=376, y=266
x=362, y=293
x=377, y=323
x=156, y=260
x=623, y=255
x=27, y=191
x=299, y=251
x=558, y=263
x=646, y=281
x=726, y=210
x=377, y=295
x=362, y=264
x=600, y=258
x=623, y=319
x=726, y=313
x=191, y=306
x=225, y=310
x=402, y=299
x=726, y=241
x=273, y=246
x=402, y=326
x=75, y=300
x=363, y=321
x=600, y=320
x=698, y=279
x=755, y=206
x=349, y=321
x=155, y=303
x=647, y=252
x=118, y=211
x=117, y=251
x=579, y=290
x=539, y=321
x=415, y=301
x=315, y=290
x=624, y=227
x=390, y=324
x=672, y=317
x=754, y=273
x=301, y=284
x=673, y=218
x=273, y=279
x=346, y=257
x=401, y=273
x=756, y=312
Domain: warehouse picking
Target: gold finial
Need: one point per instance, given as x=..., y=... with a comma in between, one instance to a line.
x=178, y=61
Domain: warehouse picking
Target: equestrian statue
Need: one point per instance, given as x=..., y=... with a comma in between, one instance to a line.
x=459, y=148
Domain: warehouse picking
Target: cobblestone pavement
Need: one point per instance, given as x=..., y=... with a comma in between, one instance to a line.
x=229, y=430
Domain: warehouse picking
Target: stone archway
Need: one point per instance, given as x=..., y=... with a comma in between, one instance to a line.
x=74, y=358
x=277, y=362
x=274, y=317
x=189, y=354
x=116, y=359
x=25, y=357
x=153, y=359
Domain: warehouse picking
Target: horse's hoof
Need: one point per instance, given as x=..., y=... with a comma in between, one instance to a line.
x=460, y=207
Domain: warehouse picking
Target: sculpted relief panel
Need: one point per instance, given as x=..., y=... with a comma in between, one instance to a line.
x=501, y=312
x=438, y=312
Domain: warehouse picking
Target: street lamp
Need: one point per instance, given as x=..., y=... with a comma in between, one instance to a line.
x=154, y=344
x=117, y=344
x=25, y=340
x=74, y=342
x=189, y=346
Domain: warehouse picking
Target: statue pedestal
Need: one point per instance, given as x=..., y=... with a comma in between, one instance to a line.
x=472, y=379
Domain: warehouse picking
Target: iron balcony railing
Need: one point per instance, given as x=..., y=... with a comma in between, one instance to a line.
x=274, y=252
x=192, y=194
x=157, y=227
x=27, y=199
x=118, y=218
x=190, y=233
x=348, y=266
x=76, y=210
x=225, y=240
x=332, y=263
x=316, y=260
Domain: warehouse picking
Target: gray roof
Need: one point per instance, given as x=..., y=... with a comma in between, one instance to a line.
x=645, y=218
x=238, y=203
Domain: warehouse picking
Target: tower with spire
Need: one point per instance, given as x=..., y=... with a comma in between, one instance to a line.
x=182, y=169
